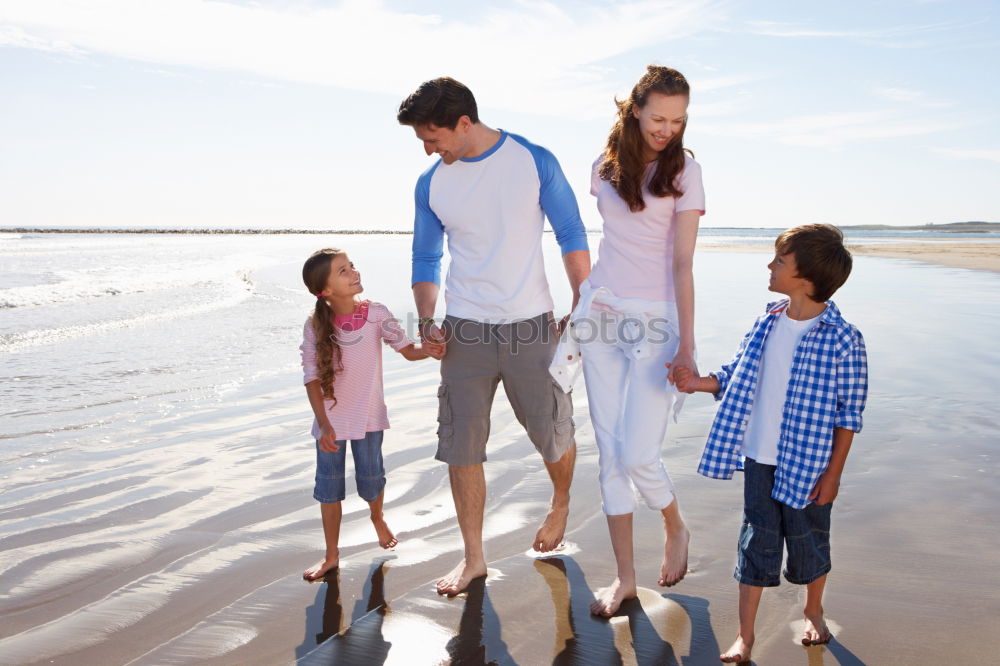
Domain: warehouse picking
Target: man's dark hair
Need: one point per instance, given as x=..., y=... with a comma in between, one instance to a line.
x=820, y=257
x=440, y=102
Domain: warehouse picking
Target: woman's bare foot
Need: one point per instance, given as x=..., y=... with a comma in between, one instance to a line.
x=738, y=652
x=610, y=598
x=386, y=538
x=459, y=578
x=322, y=568
x=816, y=631
x=675, y=558
x=550, y=535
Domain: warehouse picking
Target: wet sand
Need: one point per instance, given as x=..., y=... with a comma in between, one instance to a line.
x=192, y=551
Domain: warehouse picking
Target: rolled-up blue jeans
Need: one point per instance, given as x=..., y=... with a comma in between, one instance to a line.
x=369, y=472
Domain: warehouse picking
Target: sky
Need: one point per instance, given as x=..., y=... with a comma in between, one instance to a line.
x=281, y=113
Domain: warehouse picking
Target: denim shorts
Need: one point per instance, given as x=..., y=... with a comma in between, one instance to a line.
x=369, y=472
x=767, y=523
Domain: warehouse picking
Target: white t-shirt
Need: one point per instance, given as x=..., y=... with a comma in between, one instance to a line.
x=764, y=429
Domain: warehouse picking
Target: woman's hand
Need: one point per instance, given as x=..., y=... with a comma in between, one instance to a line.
x=683, y=359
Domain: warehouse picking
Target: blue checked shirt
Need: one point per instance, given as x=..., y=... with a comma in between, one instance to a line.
x=827, y=389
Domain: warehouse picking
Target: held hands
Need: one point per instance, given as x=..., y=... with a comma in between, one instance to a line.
x=328, y=439
x=433, y=340
x=425, y=350
x=826, y=488
x=683, y=372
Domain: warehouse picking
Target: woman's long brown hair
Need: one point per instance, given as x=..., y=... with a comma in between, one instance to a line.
x=624, y=164
x=315, y=274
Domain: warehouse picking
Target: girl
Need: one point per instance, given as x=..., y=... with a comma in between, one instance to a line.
x=342, y=362
x=641, y=297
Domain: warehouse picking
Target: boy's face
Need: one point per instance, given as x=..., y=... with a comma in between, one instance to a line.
x=785, y=277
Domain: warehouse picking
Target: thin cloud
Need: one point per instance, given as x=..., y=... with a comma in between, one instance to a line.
x=903, y=36
x=909, y=96
x=990, y=155
x=363, y=45
x=833, y=130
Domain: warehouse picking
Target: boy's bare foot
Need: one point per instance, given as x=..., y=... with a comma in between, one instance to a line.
x=610, y=598
x=321, y=568
x=675, y=558
x=738, y=652
x=816, y=631
x=550, y=535
x=386, y=538
x=459, y=578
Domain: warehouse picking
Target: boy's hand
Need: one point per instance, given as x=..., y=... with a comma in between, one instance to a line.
x=682, y=377
x=328, y=439
x=827, y=487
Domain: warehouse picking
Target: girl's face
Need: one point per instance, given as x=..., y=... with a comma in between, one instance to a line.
x=660, y=120
x=344, y=280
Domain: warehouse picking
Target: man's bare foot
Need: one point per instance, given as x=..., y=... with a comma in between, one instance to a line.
x=675, y=558
x=816, y=631
x=738, y=652
x=550, y=535
x=321, y=568
x=459, y=578
x=386, y=538
x=610, y=598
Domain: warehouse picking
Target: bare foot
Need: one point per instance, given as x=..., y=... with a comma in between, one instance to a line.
x=550, y=535
x=321, y=568
x=610, y=598
x=816, y=631
x=675, y=558
x=386, y=538
x=738, y=652
x=459, y=578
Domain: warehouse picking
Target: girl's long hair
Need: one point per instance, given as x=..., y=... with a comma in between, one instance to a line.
x=315, y=274
x=624, y=165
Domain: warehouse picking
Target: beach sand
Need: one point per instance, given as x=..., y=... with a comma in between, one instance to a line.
x=192, y=551
x=981, y=255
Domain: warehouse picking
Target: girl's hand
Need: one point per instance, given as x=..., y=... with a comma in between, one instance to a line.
x=682, y=360
x=328, y=439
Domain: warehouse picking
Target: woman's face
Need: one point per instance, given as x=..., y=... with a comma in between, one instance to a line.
x=660, y=120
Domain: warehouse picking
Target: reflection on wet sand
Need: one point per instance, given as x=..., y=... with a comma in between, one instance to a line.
x=478, y=637
x=362, y=642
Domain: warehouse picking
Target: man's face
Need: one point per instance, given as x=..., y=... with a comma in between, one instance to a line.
x=449, y=144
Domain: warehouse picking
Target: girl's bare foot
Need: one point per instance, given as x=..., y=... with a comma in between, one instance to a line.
x=816, y=631
x=609, y=599
x=322, y=568
x=675, y=558
x=738, y=652
x=386, y=538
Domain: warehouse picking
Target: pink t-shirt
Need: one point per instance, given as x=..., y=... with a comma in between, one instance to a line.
x=360, y=404
x=635, y=259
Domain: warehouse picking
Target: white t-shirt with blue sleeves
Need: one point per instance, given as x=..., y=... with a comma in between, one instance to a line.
x=492, y=208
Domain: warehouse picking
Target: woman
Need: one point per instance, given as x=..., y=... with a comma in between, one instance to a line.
x=639, y=307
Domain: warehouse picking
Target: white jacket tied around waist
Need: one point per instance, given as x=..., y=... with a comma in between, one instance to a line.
x=639, y=316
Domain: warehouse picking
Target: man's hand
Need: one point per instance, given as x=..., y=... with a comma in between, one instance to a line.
x=328, y=439
x=826, y=488
x=433, y=340
x=561, y=326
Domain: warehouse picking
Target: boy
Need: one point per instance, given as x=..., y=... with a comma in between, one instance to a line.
x=792, y=399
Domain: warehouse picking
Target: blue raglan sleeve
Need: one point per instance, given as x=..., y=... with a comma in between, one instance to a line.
x=558, y=201
x=428, y=235
x=852, y=385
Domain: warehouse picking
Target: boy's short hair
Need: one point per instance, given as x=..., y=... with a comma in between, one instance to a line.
x=440, y=102
x=820, y=257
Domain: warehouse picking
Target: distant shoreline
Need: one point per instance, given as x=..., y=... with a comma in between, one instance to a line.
x=951, y=227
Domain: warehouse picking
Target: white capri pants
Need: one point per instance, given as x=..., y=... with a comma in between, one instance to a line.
x=630, y=404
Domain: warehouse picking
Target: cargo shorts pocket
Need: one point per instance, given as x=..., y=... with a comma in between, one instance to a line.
x=562, y=411
x=445, y=431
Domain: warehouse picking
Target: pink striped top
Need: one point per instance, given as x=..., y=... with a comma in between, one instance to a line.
x=360, y=404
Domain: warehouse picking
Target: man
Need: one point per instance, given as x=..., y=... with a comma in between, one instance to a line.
x=490, y=192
